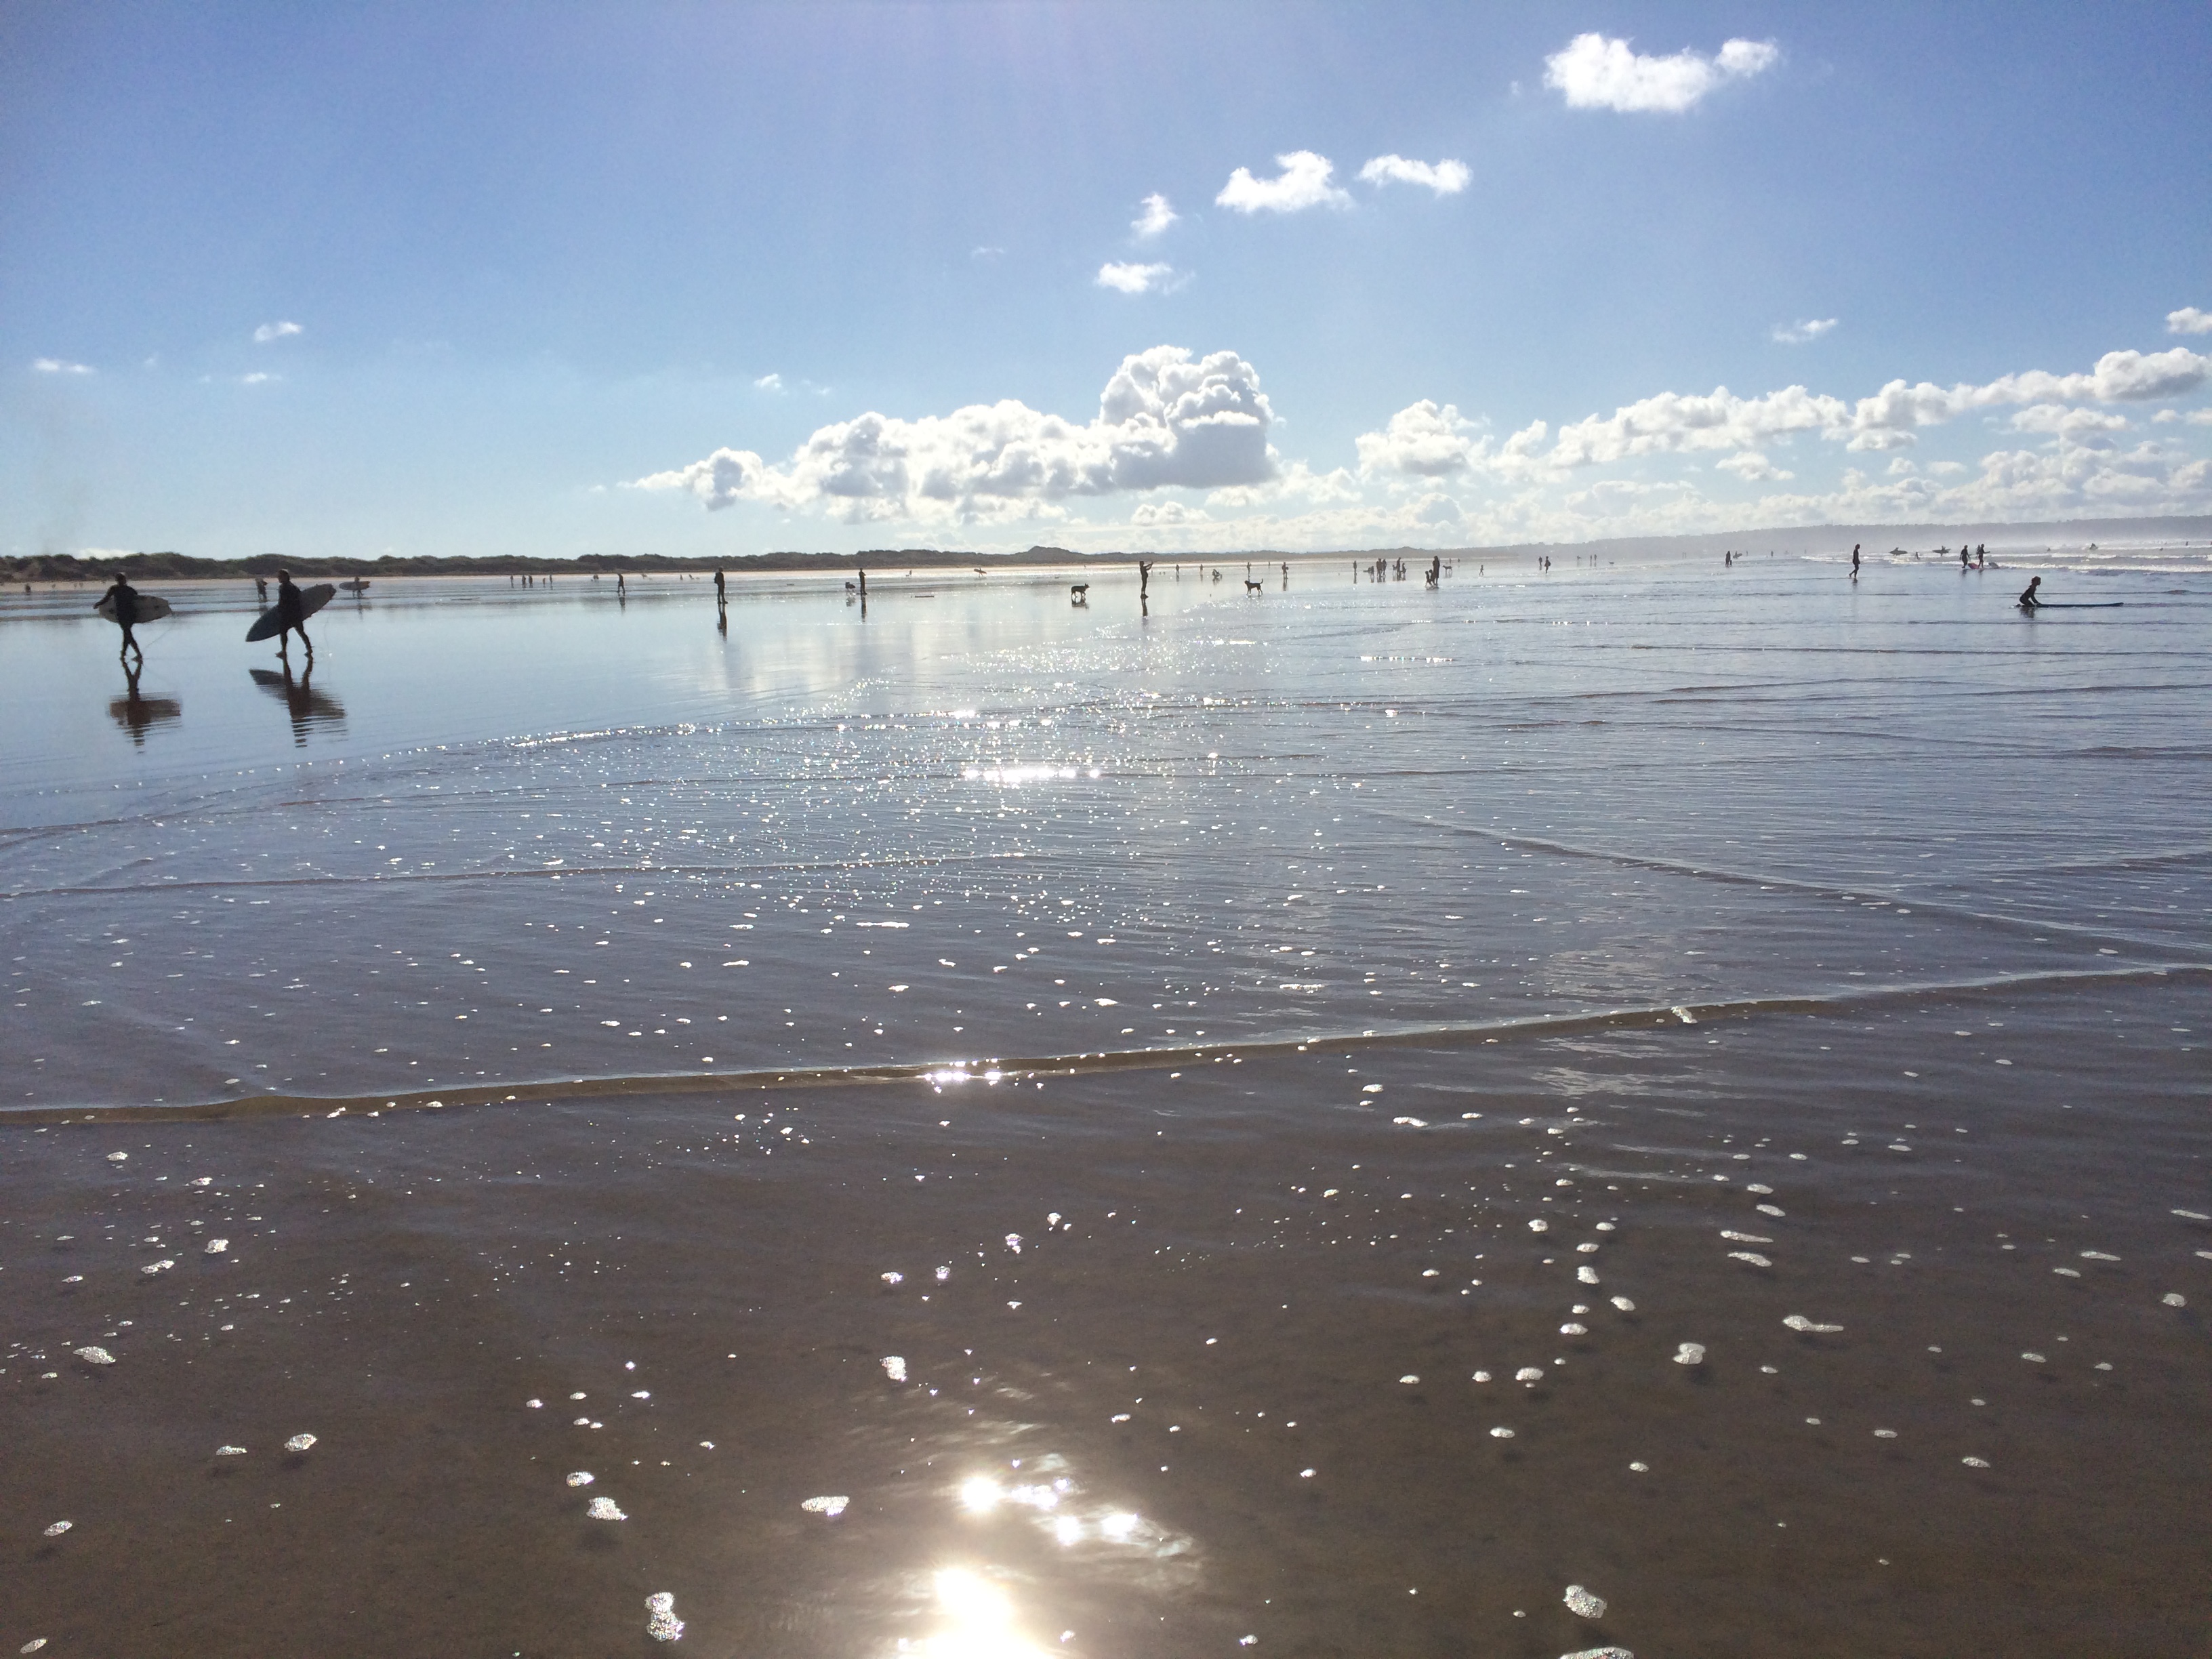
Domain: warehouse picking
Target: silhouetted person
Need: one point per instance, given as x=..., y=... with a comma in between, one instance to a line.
x=721, y=593
x=1965, y=559
x=2028, y=601
x=1855, y=560
x=292, y=614
x=1436, y=569
x=126, y=616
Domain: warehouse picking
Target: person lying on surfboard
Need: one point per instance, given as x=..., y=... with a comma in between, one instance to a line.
x=2028, y=599
x=127, y=614
x=292, y=611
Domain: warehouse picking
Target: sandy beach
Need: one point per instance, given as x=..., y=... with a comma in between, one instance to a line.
x=1316, y=1120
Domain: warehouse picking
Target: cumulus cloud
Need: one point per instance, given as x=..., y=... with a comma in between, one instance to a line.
x=2188, y=321
x=58, y=366
x=1429, y=440
x=1594, y=72
x=2118, y=377
x=268, y=331
x=1166, y=420
x=1446, y=178
x=1750, y=466
x=1131, y=278
x=1800, y=333
x=1153, y=218
x=2058, y=418
x=1150, y=515
x=1304, y=182
x=770, y=381
x=1293, y=481
x=1672, y=421
x=1422, y=441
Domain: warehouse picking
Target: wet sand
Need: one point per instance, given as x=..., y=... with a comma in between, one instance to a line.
x=1675, y=987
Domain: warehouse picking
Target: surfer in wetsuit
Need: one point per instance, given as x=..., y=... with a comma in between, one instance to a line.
x=1855, y=560
x=2028, y=599
x=292, y=612
x=125, y=598
x=721, y=593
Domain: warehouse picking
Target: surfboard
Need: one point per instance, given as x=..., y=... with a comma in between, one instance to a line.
x=2065, y=605
x=152, y=607
x=271, y=624
x=356, y=586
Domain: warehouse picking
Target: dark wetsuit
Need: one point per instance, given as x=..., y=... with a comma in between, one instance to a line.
x=126, y=611
x=292, y=612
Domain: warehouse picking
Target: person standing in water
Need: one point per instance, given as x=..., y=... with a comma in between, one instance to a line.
x=1855, y=560
x=2028, y=601
x=721, y=593
x=292, y=612
x=127, y=614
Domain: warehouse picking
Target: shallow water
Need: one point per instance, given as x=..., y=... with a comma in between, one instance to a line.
x=1298, y=951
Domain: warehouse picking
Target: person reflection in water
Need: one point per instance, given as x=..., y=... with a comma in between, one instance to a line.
x=134, y=713
x=308, y=706
x=292, y=611
x=125, y=598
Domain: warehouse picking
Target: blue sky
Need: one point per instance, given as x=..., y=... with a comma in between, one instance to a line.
x=717, y=279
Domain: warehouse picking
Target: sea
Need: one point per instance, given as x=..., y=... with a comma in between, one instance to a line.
x=1651, y=1108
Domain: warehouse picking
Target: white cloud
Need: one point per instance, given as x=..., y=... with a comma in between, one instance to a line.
x=2056, y=419
x=1151, y=514
x=1131, y=278
x=770, y=381
x=1155, y=216
x=1800, y=333
x=2081, y=464
x=1597, y=73
x=268, y=331
x=987, y=252
x=1422, y=441
x=2188, y=321
x=1165, y=420
x=60, y=366
x=258, y=378
x=1750, y=466
x=1293, y=481
x=1302, y=183
x=1446, y=178
x=1671, y=422
x=1887, y=417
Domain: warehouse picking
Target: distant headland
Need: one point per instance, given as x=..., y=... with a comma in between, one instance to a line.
x=2177, y=531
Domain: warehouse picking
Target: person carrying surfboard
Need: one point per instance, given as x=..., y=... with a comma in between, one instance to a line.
x=292, y=611
x=124, y=598
x=2028, y=599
